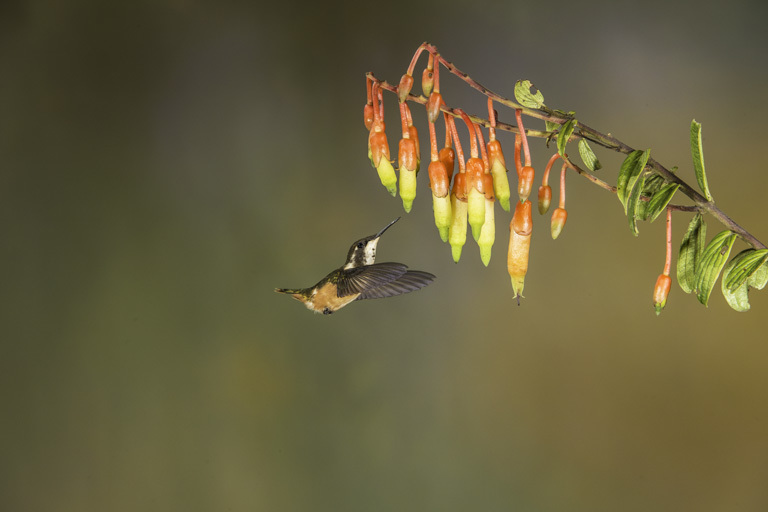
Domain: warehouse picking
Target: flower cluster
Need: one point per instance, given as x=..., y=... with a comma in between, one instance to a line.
x=466, y=195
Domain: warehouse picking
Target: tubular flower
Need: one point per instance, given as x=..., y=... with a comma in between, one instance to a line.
x=661, y=292
x=499, y=173
x=457, y=235
x=407, y=159
x=475, y=195
x=525, y=183
x=520, y=230
x=448, y=156
x=487, y=233
x=368, y=116
x=559, y=216
x=404, y=88
x=433, y=106
x=378, y=151
x=545, y=198
x=441, y=201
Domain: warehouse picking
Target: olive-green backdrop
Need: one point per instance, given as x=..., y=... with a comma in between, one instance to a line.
x=165, y=165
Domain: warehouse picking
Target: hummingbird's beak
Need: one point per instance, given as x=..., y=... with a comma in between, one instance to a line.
x=377, y=235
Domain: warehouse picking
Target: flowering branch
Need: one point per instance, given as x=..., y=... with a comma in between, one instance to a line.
x=645, y=187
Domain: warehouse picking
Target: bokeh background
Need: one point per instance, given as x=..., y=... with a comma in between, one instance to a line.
x=165, y=165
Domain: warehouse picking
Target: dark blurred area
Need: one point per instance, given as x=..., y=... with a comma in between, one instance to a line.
x=166, y=165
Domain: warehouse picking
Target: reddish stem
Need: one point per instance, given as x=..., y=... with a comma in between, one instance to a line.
x=492, y=119
x=553, y=158
x=562, y=185
x=519, y=117
x=668, y=261
x=472, y=139
x=481, y=140
x=457, y=144
x=404, y=119
x=416, y=56
x=433, y=143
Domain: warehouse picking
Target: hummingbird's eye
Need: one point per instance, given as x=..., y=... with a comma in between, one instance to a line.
x=360, y=245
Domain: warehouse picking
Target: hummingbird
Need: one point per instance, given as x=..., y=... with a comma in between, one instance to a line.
x=360, y=278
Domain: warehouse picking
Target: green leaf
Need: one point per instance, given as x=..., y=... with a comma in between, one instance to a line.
x=698, y=159
x=659, y=201
x=588, y=156
x=524, y=96
x=744, y=265
x=551, y=126
x=564, y=135
x=632, y=204
x=690, y=253
x=629, y=173
x=738, y=297
x=712, y=261
x=760, y=278
x=652, y=184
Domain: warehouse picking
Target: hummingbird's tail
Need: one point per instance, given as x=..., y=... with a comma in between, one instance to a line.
x=287, y=291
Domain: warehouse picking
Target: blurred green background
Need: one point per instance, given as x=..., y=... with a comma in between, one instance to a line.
x=165, y=165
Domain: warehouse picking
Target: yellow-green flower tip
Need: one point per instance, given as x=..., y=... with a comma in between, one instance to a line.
x=387, y=175
x=407, y=188
x=456, y=252
x=476, y=211
x=485, y=253
x=500, y=184
x=442, y=209
x=518, y=283
x=457, y=234
x=487, y=234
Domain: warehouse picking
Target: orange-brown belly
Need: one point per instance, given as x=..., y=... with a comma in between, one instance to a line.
x=324, y=299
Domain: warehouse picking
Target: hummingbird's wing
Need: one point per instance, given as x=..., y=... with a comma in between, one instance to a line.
x=360, y=279
x=411, y=281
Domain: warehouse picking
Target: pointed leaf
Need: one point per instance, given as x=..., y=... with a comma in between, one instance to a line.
x=760, y=278
x=588, y=156
x=564, y=135
x=712, y=261
x=743, y=266
x=652, y=184
x=524, y=96
x=698, y=159
x=690, y=253
x=633, y=202
x=659, y=201
x=630, y=170
x=738, y=298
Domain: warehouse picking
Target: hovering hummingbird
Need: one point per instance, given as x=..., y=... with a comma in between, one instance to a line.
x=360, y=278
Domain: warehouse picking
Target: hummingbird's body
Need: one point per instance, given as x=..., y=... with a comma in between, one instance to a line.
x=360, y=278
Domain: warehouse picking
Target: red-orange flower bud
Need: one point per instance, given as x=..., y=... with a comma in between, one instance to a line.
x=404, y=88
x=495, y=153
x=433, y=106
x=407, y=156
x=368, y=116
x=661, y=292
x=559, y=216
x=488, y=187
x=438, y=178
x=475, y=174
x=413, y=134
x=427, y=81
x=525, y=182
x=545, y=198
x=379, y=147
x=448, y=156
x=460, y=186
x=522, y=221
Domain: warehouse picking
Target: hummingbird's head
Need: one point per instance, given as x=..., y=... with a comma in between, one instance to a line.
x=363, y=252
